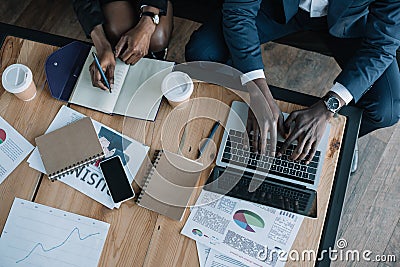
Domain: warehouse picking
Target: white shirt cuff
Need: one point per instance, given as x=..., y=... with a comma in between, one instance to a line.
x=342, y=91
x=252, y=75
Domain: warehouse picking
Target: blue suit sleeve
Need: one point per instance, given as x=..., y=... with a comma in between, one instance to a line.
x=378, y=49
x=241, y=35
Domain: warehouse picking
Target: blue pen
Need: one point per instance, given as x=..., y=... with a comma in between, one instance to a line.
x=101, y=71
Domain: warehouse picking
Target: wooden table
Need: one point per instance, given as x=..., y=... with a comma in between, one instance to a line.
x=138, y=236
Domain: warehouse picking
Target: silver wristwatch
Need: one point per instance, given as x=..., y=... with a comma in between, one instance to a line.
x=154, y=17
x=332, y=103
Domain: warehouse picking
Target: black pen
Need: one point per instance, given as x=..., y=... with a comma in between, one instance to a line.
x=213, y=130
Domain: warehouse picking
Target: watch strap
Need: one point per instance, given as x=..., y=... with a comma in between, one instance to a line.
x=147, y=13
x=154, y=17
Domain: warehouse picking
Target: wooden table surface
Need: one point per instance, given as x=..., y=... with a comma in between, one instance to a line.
x=137, y=236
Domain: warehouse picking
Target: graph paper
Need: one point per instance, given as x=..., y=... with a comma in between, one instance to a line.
x=38, y=235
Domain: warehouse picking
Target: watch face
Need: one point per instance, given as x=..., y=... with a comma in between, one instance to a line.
x=156, y=19
x=333, y=103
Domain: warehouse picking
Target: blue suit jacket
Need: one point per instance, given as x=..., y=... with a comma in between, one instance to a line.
x=376, y=21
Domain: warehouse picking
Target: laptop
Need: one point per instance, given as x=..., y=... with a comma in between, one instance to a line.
x=277, y=182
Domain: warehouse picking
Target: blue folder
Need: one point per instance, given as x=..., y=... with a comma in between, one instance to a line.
x=63, y=68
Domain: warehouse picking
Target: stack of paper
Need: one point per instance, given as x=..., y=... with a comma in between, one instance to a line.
x=89, y=179
x=234, y=232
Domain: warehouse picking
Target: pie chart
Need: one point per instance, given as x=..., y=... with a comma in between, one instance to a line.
x=2, y=136
x=197, y=232
x=248, y=220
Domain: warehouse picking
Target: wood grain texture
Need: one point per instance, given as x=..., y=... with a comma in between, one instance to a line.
x=30, y=119
x=11, y=10
x=298, y=70
x=376, y=216
x=393, y=247
x=286, y=67
x=57, y=17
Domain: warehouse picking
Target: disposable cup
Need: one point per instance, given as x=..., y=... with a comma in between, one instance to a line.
x=177, y=87
x=17, y=79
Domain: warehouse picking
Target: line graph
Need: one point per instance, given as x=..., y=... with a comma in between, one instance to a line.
x=60, y=245
x=37, y=235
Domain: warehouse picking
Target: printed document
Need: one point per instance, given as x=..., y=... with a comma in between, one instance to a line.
x=38, y=235
x=202, y=251
x=13, y=149
x=242, y=230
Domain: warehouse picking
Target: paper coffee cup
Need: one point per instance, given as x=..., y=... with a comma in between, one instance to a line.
x=177, y=87
x=17, y=79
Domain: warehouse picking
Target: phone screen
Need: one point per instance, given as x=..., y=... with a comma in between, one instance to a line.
x=116, y=179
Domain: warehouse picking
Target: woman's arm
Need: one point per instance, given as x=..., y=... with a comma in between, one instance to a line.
x=91, y=18
x=89, y=14
x=162, y=5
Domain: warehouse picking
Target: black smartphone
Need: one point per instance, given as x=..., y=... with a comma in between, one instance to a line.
x=116, y=179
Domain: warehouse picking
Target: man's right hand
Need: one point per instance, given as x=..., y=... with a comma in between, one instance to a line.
x=264, y=117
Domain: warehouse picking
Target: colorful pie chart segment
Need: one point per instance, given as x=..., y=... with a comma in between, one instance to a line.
x=2, y=136
x=197, y=232
x=248, y=220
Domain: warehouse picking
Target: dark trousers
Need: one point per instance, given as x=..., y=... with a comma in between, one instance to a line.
x=381, y=103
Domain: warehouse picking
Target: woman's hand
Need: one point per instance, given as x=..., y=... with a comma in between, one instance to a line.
x=105, y=56
x=107, y=63
x=135, y=43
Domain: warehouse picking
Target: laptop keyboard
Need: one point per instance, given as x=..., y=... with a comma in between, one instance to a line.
x=268, y=193
x=235, y=153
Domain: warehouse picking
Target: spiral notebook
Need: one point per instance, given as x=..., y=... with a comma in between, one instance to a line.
x=68, y=148
x=169, y=184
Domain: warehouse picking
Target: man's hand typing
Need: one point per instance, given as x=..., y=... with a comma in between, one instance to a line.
x=264, y=117
x=307, y=126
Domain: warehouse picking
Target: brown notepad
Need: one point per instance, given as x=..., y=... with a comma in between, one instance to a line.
x=169, y=184
x=68, y=148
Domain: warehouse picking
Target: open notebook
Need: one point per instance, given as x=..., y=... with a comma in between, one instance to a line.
x=136, y=91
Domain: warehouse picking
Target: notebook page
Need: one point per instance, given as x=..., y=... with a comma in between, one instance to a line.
x=141, y=93
x=85, y=94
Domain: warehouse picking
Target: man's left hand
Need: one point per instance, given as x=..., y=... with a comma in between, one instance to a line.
x=307, y=126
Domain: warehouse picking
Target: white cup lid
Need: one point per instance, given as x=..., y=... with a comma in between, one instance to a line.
x=177, y=86
x=16, y=78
